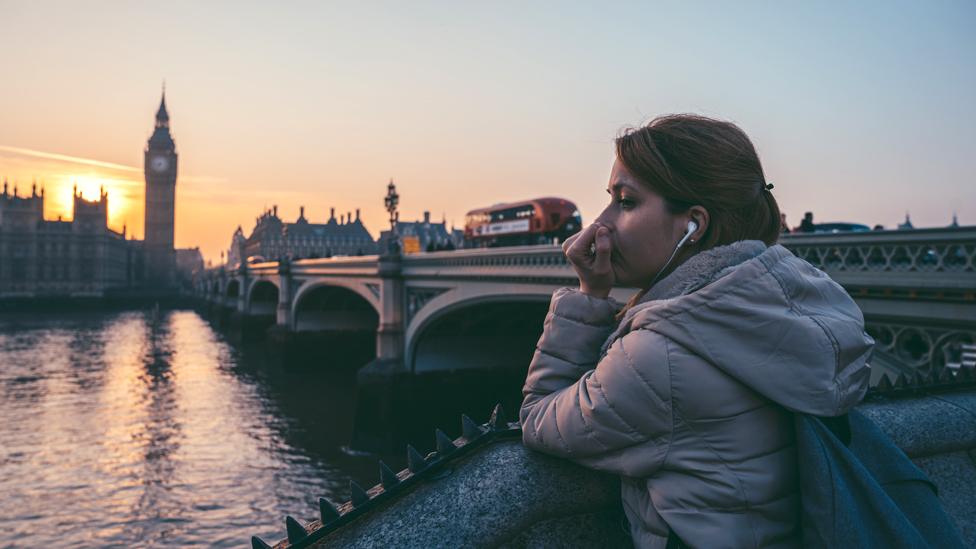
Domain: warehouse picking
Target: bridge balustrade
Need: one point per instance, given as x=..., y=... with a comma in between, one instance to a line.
x=915, y=287
x=922, y=259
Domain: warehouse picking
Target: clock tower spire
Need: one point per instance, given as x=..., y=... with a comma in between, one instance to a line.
x=160, y=170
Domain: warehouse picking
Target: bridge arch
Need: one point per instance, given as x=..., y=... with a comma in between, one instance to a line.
x=478, y=331
x=262, y=298
x=359, y=306
x=334, y=325
x=233, y=289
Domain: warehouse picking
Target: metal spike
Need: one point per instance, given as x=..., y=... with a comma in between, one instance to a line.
x=387, y=477
x=327, y=511
x=911, y=379
x=415, y=461
x=884, y=384
x=258, y=543
x=900, y=381
x=469, y=429
x=922, y=378
x=296, y=532
x=497, y=421
x=444, y=444
x=359, y=496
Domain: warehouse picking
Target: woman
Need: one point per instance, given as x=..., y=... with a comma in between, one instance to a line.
x=686, y=392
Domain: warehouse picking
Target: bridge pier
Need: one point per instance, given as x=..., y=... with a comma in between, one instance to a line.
x=236, y=319
x=283, y=319
x=231, y=311
x=389, y=336
x=389, y=363
x=281, y=336
x=382, y=396
x=242, y=293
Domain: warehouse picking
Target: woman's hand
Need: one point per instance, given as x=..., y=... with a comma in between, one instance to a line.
x=594, y=269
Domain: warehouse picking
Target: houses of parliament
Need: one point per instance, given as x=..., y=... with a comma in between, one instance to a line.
x=84, y=257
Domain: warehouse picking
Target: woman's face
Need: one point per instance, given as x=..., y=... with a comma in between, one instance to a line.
x=642, y=231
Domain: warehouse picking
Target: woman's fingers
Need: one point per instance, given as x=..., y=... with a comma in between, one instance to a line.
x=601, y=263
x=589, y=253
x=568, y=243
x=578, y=247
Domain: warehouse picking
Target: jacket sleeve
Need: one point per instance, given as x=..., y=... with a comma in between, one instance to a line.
x=613, y=415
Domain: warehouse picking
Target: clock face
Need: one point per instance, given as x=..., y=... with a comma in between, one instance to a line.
x=159, y=163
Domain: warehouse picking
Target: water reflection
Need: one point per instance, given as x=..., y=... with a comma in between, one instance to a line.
x=122, y=429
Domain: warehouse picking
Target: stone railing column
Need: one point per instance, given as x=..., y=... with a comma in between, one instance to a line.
x=283, y=318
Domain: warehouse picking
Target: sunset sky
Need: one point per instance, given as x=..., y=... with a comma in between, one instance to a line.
x=860, y=112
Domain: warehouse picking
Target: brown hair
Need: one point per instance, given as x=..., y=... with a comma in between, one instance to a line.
x=695, y=160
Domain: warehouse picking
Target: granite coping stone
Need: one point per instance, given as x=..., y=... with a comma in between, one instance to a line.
x=928, y=424
x=506, y=495
x=955, y=476
x=487, y=499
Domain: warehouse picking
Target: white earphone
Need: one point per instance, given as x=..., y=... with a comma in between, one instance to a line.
x=692, y=227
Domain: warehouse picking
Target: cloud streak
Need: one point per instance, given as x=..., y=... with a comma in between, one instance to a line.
x=67, y=158
x=20, y=151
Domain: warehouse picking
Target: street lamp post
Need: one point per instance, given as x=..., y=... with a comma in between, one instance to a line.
x=391, y=201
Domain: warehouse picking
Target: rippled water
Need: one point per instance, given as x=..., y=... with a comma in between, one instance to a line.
x=116, y=430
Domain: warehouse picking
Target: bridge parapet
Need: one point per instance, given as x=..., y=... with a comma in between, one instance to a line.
x=365, y=265
x=485, y=489
x=526, y=262
x=917, y=288
x=894, y=259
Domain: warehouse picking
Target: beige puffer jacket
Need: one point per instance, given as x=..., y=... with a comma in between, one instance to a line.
x=688, y=398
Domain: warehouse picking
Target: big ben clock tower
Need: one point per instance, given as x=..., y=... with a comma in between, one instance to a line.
x=160, y=169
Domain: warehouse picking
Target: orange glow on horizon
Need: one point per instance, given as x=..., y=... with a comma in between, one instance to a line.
x=58, y=174
x=125, y=197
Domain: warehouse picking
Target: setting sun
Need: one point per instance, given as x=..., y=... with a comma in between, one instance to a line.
x=87, y=185
x=124, y=197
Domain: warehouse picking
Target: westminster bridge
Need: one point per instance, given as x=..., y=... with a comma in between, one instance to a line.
x=483, y=308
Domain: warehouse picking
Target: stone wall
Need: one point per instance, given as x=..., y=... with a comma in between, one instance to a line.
x=488, y=490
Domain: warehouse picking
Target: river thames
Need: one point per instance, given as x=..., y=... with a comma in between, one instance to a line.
x=125, y=429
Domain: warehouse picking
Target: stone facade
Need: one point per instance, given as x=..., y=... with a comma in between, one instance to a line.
x=82, y=257
x=272, y=238
x=238, y=243
x=432, y=236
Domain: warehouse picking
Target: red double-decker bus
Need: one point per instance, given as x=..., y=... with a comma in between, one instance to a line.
x=539, y=221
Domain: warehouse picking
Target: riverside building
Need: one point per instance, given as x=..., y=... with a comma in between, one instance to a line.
x=272, y=238
x=81, y=257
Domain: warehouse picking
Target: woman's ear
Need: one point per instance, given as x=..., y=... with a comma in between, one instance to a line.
x=699, y=215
